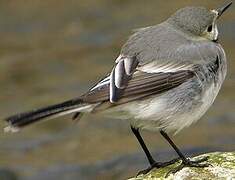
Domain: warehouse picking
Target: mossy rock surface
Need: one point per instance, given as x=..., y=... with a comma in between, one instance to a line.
x=222, y=167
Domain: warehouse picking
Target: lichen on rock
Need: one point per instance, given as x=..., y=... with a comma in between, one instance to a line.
x=222, y=167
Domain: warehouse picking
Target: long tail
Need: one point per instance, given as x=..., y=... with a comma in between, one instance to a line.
x=20, y=120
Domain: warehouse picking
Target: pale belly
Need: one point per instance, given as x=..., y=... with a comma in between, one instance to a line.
x=171, y=111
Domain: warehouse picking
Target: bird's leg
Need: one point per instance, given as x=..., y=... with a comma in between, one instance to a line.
x=186, y=162
x=152, y=162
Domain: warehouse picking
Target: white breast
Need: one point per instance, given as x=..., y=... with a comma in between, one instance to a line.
x=171, y=111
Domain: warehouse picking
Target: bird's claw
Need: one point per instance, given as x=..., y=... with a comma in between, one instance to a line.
x=190, y=163
x=158, y=165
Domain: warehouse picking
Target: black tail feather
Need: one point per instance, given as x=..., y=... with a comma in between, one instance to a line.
x=23, y=119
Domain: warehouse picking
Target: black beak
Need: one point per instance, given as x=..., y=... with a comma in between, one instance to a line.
x=222, y=9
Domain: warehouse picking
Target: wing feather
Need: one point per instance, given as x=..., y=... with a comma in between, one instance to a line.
x=120, y=76
x=141, y=84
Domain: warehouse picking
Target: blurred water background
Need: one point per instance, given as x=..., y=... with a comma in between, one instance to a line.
x=54, y=50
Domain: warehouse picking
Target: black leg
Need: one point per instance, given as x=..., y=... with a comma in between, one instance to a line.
x=173, y=145
x=185, y=161
x=152, y=162
x=144, y=147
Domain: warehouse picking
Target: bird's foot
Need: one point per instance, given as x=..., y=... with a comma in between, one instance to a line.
x=158, y=165
x=190, y=163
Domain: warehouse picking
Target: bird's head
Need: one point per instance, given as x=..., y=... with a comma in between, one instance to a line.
x=198, y=21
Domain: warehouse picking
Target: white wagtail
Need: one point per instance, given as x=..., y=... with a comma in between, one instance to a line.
x=165, y=78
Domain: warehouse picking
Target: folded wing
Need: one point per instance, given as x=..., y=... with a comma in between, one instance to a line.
x=140, y=85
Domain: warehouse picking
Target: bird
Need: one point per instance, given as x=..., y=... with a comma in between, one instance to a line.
x=165, y=79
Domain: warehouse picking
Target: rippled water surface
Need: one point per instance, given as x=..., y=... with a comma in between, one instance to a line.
x=51, y=51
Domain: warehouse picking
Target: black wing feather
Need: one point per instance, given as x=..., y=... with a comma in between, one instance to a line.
x=142, y=84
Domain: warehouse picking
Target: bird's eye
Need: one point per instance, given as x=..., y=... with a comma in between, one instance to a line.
x=209, y=29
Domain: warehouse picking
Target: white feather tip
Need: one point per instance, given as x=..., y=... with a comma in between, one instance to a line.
x=11, y=129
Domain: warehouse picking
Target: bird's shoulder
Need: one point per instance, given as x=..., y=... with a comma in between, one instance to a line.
x=153, y=40
x=163, y=43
